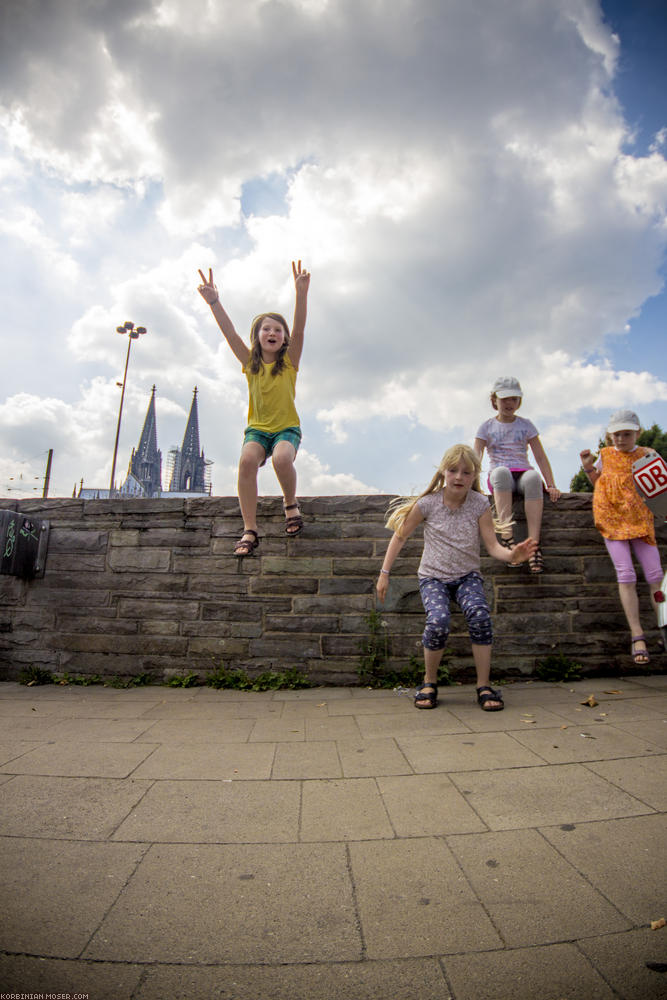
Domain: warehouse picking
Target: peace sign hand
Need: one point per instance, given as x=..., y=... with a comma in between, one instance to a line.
x=207, y=289
x=301, y=277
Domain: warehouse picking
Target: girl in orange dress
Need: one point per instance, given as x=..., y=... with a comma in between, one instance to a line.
x=624, y=520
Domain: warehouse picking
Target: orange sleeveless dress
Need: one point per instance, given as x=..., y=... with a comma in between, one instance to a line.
x=618, y=510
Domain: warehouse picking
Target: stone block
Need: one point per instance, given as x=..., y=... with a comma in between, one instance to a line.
x=346, y=585
x=130, y=644
x=301, y=623
x=279, y=648
x=77, y=540
x=277, y=585
x=183, y=610
x=295, y=566
x=64, y=562
x=334, y=604
x=200, y=565
x=217, y=646
x=129, y=560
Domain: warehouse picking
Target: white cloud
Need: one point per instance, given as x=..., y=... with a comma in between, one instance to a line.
x=457, y=180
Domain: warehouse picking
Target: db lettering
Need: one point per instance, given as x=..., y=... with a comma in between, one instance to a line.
x=652, y=478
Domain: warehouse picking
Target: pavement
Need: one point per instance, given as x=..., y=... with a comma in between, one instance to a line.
x=177, y=844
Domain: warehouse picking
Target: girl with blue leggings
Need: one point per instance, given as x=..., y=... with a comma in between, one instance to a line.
x=456, y=515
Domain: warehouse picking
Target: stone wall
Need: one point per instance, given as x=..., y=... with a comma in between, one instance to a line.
x=150, y=587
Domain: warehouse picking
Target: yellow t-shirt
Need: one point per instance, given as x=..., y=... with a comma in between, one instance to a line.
x=271, y=400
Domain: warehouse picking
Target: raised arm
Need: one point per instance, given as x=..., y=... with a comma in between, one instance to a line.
x=479, y=445
x=209, y=293
x=544, y=467
x=587, y=463
x=396, y=543
x=518, y=554
x=301, y=285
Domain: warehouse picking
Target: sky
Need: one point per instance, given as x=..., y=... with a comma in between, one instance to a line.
x=479, y=189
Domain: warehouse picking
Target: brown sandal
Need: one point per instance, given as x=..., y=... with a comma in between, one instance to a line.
x=295, y=522
x=536, y=561
x=246, y=546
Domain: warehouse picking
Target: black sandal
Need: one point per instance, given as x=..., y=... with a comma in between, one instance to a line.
x=507, y=543
x=246, y=546
x=295, y=522
x=536, y=561
x=486, y=694
x=429, y=696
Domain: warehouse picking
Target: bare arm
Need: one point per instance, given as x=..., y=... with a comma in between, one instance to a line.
x=479, y=447
x=587, y=459
x=520, y=553
x=396, y=543
x=544, y=467
x=209, y=293
x=301, y=285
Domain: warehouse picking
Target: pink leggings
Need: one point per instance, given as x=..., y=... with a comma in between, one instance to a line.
x=647, y=556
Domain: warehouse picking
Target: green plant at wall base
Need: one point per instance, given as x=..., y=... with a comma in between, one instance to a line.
x=141, y=680
x=85, y=680
x=33, y=675
x=183, y=681
x=557, y=668
x=271, y=680
x=374, y=649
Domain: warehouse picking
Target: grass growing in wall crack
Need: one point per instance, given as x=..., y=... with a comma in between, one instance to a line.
x=233, y=678
x=558, y=668
x=374, y=670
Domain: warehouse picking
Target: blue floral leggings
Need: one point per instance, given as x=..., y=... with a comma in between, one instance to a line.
x=468, y=592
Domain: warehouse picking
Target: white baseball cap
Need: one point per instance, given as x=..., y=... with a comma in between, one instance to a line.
x=623, y=420
x=506, y=386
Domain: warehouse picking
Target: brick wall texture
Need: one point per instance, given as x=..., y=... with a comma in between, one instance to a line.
x=151, y=587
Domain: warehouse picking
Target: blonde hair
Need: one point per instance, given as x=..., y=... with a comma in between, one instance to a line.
x=401, y=507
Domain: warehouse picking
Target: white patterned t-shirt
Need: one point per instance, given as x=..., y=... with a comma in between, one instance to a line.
x=507, y=444
x=451, y=537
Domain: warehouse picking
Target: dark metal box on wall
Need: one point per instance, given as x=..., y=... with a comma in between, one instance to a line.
x=23, y=544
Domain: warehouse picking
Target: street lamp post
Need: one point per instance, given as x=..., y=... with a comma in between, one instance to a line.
x=133, y=334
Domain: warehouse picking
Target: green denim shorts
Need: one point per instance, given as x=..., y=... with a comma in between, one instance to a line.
x=269, y=441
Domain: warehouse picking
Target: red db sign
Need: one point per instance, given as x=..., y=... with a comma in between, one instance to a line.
x=652, y=478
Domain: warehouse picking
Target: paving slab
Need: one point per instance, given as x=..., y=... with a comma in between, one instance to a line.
x=414, y=900
x=559, y=972
x=626, y=859
x=594, y=741
x=643, y=777
x=344, y=810
x=426, y=805
x=269, y=903
x=319, y=760
x=44, y=881
x=530, y=892
x=623, y=958
x=98, y=980
x=214, y=812
x=67, y=808
x=81, y=758
x=194, y=760
x=334, y=843
x=412, y=979
x=469, y=752
x=362, y=758
x=537, y=796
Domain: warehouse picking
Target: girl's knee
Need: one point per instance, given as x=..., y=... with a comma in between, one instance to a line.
x=531, y=485
x=501, y=479
x=480, y=628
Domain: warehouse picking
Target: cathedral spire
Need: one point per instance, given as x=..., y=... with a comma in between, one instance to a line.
x=146, y=459
x=189, y=464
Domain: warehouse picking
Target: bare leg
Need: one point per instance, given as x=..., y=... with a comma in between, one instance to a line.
x=283, y=463
x=534, y=510
x=283, y=457
x=432, y=658
x=252, y=456
x=630, y=601
x=503, y=501
x=482, y=657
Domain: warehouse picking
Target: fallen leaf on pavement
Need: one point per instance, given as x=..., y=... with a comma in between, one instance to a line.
x=587, y=736
x=590, y=701
x=657, y=924
x=613, y=692
x=529, y=722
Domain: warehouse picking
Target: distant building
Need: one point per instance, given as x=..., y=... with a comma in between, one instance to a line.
x=146, y=460
x=187, y=467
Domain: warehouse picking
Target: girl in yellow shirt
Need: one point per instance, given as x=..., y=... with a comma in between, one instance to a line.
x=270, y=365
